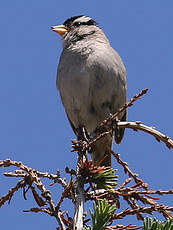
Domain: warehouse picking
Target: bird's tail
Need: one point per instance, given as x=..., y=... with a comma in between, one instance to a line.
x=103, y=147
x=102, y=151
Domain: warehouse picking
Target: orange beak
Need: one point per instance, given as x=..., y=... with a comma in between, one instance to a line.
x=61, y=29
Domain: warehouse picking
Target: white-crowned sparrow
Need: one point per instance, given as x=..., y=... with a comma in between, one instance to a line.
x=91, y=79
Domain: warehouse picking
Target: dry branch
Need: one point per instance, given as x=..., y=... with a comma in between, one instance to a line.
x=151, y=130
x=11, y=192
x=132, y=195
x=31, y=177
x=148, y=210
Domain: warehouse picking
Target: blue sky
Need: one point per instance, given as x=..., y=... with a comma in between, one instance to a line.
x=33, y=125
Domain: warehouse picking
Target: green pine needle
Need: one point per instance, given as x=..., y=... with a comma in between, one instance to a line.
x=106, y=179
x=154, y=224
x=102, y=214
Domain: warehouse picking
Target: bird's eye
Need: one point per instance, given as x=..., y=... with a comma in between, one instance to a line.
x=77, y=23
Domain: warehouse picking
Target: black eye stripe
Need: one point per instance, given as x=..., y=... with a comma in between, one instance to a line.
x=77, y=23
x=71, y=22
x=88, y=23
x=92, y=22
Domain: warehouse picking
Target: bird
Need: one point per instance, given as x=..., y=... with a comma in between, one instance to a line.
x=91, y=79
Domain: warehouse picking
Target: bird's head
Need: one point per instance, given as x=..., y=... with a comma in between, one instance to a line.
x=74, y=23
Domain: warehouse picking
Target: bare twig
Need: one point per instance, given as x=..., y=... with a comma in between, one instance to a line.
x=138, y=126
x=11, y=192
x=148, y=210
x=124, y=107
x=54, y=177
x=127, y=170
x=45, y=210
x=123, y=227
x=66, y=193
x=125, y=192
x=33, y=178
x=84, y=146
x=133, y=125
x=131, y=196
x=128, y=180
x=49, y=212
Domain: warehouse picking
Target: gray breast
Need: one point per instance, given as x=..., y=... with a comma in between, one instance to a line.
x=91, y=86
